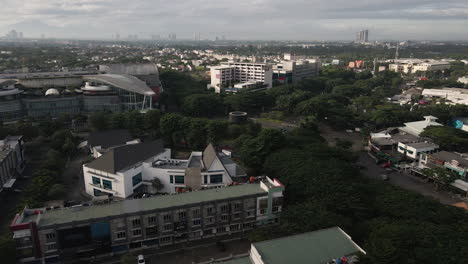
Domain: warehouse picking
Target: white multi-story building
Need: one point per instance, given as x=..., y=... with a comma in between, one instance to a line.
x=416, y=149
x=415, y=65
x=126, y=170
x=231, y=73
x=294, y=71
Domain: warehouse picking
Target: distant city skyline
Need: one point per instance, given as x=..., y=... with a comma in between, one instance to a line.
x=242, y=20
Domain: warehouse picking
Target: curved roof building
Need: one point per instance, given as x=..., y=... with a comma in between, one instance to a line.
x=122, y=81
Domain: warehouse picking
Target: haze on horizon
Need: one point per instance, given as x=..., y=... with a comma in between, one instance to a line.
x=241, y=19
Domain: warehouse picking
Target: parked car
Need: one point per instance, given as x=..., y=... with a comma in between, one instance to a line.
x=141, y=259
x=384, y=177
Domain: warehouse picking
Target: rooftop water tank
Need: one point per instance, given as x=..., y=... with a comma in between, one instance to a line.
x=237, y=117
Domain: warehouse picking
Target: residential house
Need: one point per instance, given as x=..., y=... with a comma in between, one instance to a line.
x=415, y=149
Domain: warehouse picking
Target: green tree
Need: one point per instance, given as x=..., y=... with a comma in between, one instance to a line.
x=448, y=138
x=441, y=176
x=171, y=124
x=117, y=120
x=157, y=184
x=202, y=105
x=151, y=120
x=57, y=191
x=128, y=259
x=216, y=131
x=99, y=121
x=7, y=250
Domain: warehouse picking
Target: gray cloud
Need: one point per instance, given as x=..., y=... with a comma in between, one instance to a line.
x=243, y=19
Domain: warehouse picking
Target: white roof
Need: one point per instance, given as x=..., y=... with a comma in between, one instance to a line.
x=460, y=184
x=416, y=128
x=9, y=183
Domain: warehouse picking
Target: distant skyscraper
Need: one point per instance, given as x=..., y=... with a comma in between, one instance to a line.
x=196, y=36
x=117, y=36
x=12, y=35
x=362, y=36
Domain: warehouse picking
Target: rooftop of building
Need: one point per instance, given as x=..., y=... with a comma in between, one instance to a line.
x=415, y=128
x=316, y=247
x=109, y=138
x=447, y=156
x=420, y=145
x=85, y=213
x=125, y=156
x=124, y=81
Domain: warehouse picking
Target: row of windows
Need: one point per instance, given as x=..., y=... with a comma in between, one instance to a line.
x=153, y=231
x=136, y=222
x=106, y=184
x=137, y=179
x=177, y=179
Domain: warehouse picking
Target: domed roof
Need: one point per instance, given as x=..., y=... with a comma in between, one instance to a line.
x=52, y=91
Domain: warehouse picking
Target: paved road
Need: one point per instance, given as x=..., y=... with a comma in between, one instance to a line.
x=405, y=181
x=73, y=178
x=195, y=254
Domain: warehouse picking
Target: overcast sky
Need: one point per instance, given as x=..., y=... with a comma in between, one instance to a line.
x=239, y=19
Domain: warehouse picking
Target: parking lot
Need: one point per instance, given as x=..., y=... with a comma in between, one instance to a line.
x=405, y=180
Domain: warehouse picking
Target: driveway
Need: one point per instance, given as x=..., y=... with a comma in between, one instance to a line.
x=73, y=178
x=405, y=181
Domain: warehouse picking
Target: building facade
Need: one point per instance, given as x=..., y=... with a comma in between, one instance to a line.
x=288, y=72
x=119, y=87
x=12, y=160
x=415, y=65
x=231, y=73
x=415, y=150
x=130, y=169
x=82, y=231
x=362, y=36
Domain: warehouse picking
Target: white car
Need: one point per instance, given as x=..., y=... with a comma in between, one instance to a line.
x=141, y=259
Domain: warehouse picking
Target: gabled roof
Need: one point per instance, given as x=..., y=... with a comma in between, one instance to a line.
x=109, y=138
x=123, y=157
x=209, y=156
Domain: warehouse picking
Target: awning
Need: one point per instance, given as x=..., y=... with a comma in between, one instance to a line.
x=461, y=185
x=9, y=183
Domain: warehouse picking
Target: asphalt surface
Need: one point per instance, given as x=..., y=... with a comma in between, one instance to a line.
x=405, y=181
